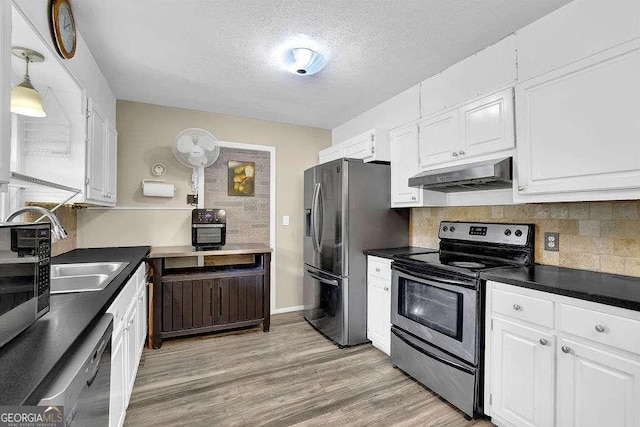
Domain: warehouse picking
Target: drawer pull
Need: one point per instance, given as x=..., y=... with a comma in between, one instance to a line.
x=543, y=341
x=566, y=349
x=600, y=328
x=377, y=270
x=517, y=307
x=386, y=288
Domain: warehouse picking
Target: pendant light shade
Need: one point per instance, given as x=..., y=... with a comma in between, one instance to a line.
x=25, y=99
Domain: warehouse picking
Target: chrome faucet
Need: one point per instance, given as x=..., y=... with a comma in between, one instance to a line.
x=56, y=227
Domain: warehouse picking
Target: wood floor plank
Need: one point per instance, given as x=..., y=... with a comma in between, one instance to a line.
x=289, y=376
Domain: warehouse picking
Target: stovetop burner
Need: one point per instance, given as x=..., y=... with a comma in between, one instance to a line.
x=459, y=264
x=467, y=264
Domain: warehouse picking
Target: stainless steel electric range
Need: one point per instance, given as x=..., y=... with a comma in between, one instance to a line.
x=437, y=306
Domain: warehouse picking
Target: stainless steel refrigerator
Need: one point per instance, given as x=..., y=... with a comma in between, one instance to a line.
x=347, y=210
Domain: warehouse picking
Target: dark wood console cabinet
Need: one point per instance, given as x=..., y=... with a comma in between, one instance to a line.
x=194, y=300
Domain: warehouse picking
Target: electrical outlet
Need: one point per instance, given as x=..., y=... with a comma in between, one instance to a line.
x=552, y=241
x=285, y=220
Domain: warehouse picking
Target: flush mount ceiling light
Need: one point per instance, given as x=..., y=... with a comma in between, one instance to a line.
x=303, y=61
x=25, y=99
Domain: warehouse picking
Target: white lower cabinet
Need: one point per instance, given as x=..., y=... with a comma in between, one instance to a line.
x=597, y=388
x=379, y=303
x=129, y=323
x=565, y=366
x=523, y=360
x=117, y=399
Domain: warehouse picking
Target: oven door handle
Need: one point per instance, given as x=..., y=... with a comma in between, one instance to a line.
x=322, y=279
x=435, y=279
x=413, y=343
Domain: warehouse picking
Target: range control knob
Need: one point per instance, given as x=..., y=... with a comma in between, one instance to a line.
x=507, y=232
x=452, y=228
x=445, y=228
x=518, y=233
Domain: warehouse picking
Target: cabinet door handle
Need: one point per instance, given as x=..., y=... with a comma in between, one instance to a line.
x=462, y=153
x=543, y=341
x=517, y=307
x=413, y=197
x=600, y=328
x=566, y=349
x=377, y=270
x=386, y=288
x=521, y=188
x=221, y=305
x=454, y=154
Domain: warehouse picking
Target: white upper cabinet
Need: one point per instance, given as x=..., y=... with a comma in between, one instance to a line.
x=486, y=125
x=578, y=132
x=96, y=185
x=404, y=165
x=331, y=153
x=5, y=92
x=481, y=127
x=574, y=32
x=75, y=145
x=101, y=170
x=112, y=162
x=439, y=139
x=369, y=146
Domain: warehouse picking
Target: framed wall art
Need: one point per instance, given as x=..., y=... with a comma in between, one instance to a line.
x=242, y=178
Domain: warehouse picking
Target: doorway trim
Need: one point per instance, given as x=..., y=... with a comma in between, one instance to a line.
x=272, y=204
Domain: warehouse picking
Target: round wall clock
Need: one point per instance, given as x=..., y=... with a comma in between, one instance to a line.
x=63, y=28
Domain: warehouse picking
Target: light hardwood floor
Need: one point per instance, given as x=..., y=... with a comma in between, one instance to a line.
x=288, y=376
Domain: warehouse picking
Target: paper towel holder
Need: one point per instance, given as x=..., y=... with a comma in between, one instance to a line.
x=157, y=188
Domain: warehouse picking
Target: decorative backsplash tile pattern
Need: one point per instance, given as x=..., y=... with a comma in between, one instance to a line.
x=247, y=216
x=69, y=219
x=597, y=236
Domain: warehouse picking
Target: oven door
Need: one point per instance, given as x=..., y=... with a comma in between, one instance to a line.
x=208, y=234
x=439, y=311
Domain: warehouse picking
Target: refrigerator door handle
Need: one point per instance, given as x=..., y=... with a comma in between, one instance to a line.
x=314, y=217
x=320, y=223
x=323, y=280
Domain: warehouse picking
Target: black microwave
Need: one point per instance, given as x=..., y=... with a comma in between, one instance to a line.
x=208, y=228
x=25, y=263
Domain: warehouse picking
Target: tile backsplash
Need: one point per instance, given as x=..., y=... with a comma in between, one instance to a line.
x=597, y=236
x=68, y=216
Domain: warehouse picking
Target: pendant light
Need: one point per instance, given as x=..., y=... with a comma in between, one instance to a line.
x=25, y=99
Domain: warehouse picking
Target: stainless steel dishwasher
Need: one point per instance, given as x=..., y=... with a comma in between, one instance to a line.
x=83, y=386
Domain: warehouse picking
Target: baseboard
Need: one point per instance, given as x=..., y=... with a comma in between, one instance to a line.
x=287, y=309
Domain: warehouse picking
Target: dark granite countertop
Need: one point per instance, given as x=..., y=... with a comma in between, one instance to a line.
x=610, y=289
x=391, y=252
x=31, y=360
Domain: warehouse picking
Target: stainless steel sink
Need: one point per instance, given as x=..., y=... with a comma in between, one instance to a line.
x=85, y=268
x=86, y=283
x=83, y=277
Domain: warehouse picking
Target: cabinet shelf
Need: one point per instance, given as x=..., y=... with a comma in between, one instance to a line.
x=19, y=180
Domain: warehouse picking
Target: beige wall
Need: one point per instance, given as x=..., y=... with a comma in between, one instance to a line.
x=598, y=236
x=145, y=135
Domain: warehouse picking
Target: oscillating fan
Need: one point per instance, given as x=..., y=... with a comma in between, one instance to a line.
x=196, y=148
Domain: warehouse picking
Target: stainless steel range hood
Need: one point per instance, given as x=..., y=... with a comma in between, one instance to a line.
x=487, y=175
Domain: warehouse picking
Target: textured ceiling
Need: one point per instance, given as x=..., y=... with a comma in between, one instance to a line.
x=220, y=55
